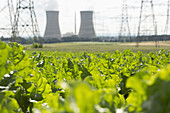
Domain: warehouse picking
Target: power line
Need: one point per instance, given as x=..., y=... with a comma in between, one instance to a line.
x=25, y=21
x=147, y=24
x=124, y=29
x=167, y=19
x=7, y=14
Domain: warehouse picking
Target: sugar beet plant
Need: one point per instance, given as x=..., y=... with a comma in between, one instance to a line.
x=59, y=82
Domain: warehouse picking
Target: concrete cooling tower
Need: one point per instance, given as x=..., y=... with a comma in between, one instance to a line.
x=87, y=27
x=52, y=25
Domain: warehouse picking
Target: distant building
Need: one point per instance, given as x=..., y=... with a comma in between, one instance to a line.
x=87, y=27
x=52, y=30
x=69, y=34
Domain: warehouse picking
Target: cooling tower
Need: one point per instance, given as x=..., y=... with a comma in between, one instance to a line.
x=86, y=27
x=52, y=25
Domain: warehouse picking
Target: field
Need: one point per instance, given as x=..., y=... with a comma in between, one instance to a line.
x=48, y=81
x=145, y=47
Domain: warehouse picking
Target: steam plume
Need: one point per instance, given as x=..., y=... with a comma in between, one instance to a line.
x=51, y=5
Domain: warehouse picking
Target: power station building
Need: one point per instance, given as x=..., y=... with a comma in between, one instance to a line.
x=52, y=30
x=87, y=27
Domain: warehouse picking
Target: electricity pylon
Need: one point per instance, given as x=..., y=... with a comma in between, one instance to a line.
x=6, y=17
x=124, y=29
x=25, y=21
x=167, y=20
x=147, y=25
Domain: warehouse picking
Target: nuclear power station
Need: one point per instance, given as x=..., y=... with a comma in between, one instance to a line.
x=86, y=26
x=146, y=24
x=52, y=30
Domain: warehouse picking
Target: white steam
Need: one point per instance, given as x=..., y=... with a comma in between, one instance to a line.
x=51, y=5
x=87, y=5
x=75, y=4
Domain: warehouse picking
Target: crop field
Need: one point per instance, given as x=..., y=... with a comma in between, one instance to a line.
x=144, y=47
x=53, y=80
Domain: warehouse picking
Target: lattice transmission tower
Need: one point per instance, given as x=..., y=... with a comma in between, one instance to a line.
x=25, y=21
x=147, y=28
x=167, y=20
x=124, y=28
x=6, y=18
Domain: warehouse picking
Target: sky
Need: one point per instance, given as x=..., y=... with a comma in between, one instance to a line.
x=68, y=8
x=106, y=18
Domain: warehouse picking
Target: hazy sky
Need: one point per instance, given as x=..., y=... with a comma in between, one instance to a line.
x=102, y=12
x=107, y=14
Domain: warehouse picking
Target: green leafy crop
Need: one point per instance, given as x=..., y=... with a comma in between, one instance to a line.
x=150, y=92
x=58, y=82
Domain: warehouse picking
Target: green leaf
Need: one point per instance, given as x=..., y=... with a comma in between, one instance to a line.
x=7, y=103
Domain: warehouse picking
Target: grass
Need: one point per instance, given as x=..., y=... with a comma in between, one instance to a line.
x=145, y=47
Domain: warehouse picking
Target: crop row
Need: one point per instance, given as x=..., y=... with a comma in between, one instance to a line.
x=59, y=82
